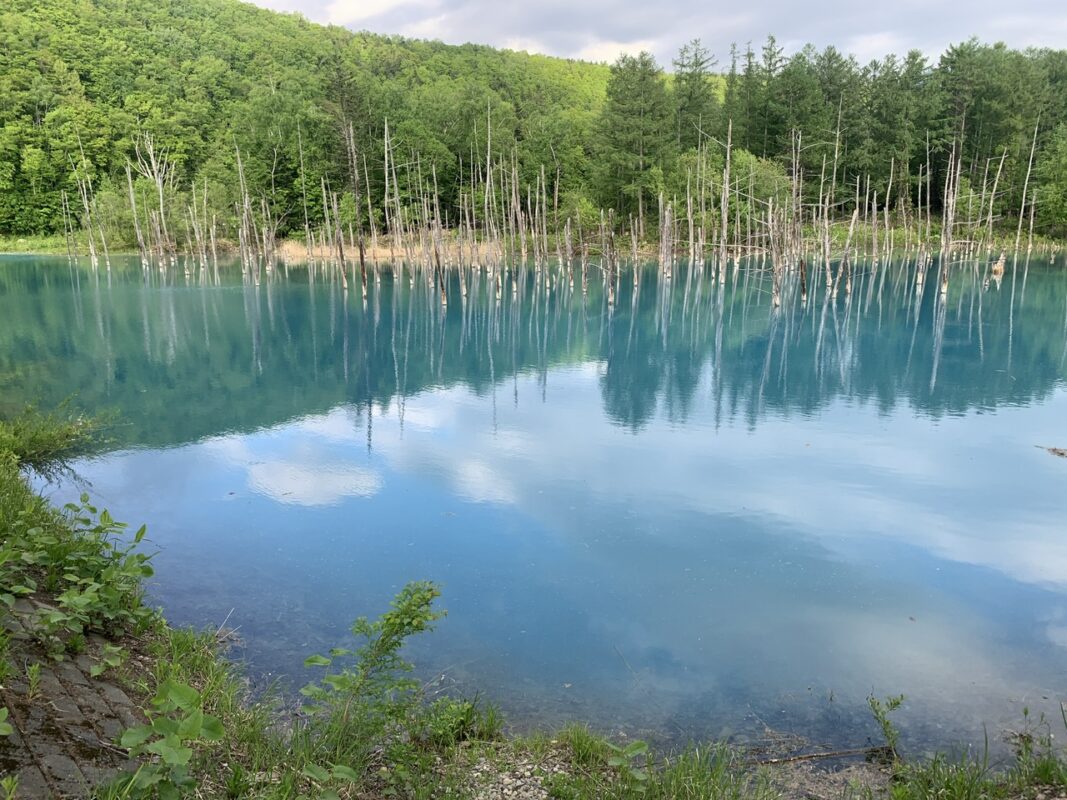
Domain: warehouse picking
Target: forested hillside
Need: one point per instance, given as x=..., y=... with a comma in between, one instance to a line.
x=88, y=87
x=200, y=75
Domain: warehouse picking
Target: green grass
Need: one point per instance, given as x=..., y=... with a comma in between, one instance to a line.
x=1039, y=767
x=45, y=442
x=250, y=745
x=713, y=771
x=56, y=244
x=51, y=244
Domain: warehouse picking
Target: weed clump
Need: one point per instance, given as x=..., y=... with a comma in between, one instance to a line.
x=45, y=442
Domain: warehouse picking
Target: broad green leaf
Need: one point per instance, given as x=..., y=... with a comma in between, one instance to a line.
x=189, y=728
x=181, y=695
x=636, y=748
x=171, y=751
x=135, y=737
x=165, y=726
x=211, y=729
x=345, y=773
x=316, y=773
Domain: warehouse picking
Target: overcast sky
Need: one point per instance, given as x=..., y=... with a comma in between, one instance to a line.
x=599, y=30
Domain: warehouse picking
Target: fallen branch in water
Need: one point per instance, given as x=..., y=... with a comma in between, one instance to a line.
x=855, y=751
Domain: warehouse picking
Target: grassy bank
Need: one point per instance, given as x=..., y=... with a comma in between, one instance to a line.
x=864, y=236
x=365, y=729
x=51, y=244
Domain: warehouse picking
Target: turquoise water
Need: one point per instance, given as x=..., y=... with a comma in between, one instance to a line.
x=683, y=514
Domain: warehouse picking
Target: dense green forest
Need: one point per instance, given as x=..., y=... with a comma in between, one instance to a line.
x=198, y=96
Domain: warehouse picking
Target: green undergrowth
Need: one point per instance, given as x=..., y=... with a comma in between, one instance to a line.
x=865, y=234
x=77, y=557
x=364, y=725
x=364, y=728
x=1033, y=775
x=44, y=442
x=48, y=244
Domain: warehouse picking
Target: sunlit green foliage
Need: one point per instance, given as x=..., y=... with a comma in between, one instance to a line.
x=80, y=78
x=81, y=81
x=636, y=137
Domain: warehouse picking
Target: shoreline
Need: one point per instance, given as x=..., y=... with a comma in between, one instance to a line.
x=455, y=250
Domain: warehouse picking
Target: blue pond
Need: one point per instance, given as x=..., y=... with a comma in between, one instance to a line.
x=686, y=513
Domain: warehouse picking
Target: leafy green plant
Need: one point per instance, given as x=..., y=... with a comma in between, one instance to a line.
x=369, y=698
x=176, y=724
x=6, y=728
x=105, y=590
x=78, y=555
x=881, y=709
x=372, y=682
x=112, y=658
x=33, y=681
x=13, y=582
x=95, y=574
x=9, y=784
x=626, y=760
x=323, y=779
x=448, y=721
x=53, y=629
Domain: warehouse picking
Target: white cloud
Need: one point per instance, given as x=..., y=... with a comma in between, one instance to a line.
x=481, y=483
x=883, y=476
x=524, y=44
x=869, y=46
x=353, y=12
x=300, y=469
x=609, y=51
x=427, y=416
x=312, y=484
x=1057, y=634
x=600, y=30
x=429, y=27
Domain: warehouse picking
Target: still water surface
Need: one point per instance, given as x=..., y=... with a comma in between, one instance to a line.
x=686, y=514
